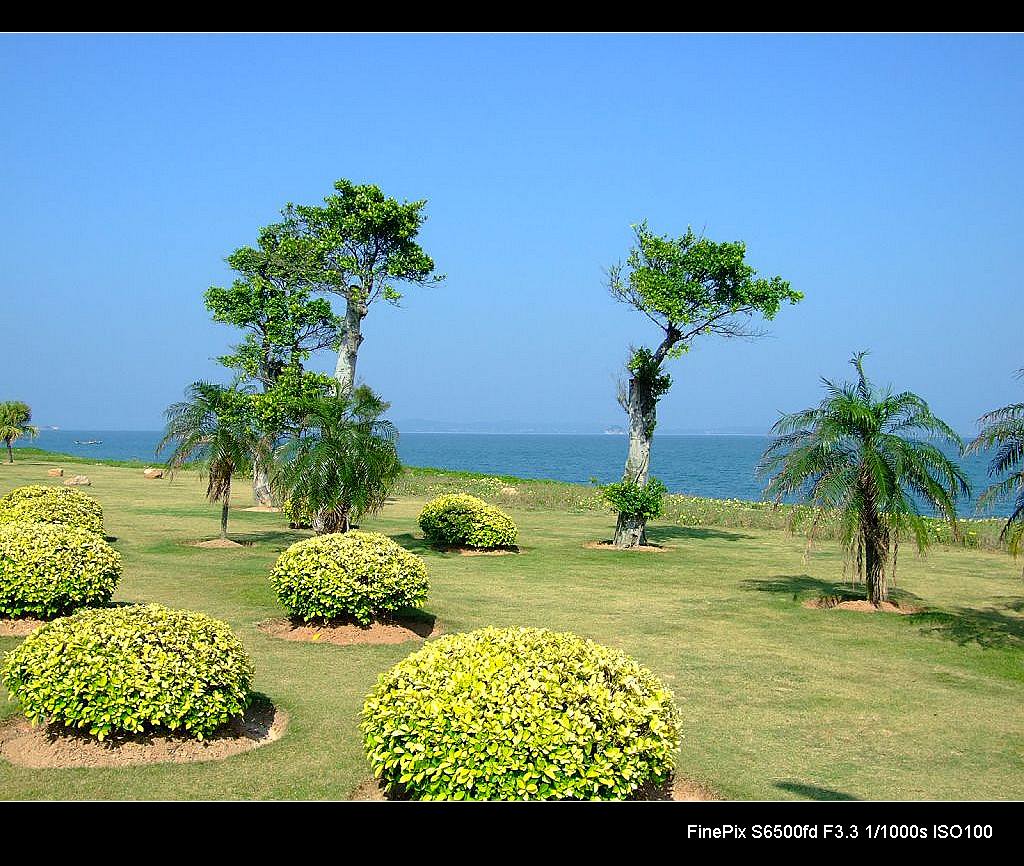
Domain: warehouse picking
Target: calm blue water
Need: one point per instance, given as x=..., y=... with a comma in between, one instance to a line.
x=717, y=466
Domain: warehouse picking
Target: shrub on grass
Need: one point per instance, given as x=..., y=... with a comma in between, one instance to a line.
x=519, y=713
x=130, y=669
x=351, y=575
x=460, y=519
x=38, y=503
x=48, y=570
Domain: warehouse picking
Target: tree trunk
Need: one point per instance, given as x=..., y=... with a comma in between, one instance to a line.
x=352, y=338
x=875, y=555
x=261, y=485
x=10, y=452
x=225, y=502
x=631, y=531
x=330, y=520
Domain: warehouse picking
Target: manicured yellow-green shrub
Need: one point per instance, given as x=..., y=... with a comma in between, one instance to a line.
x=298, y=515
x=352, y=575
x=47, y=570
x=41, y=504
x=131, y=669
x=519, y=713
x=460, y=519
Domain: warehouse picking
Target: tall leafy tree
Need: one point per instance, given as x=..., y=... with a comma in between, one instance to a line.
x=688, y=287
x=343, y=461
x=1003, y=430
x=368, y=248
x=15, y=423
x=213, y=430
x=272, y=301
x=863, y=453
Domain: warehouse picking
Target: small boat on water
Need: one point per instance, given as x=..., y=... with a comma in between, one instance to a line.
x=89, y=442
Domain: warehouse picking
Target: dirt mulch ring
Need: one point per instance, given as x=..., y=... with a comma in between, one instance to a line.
x=216, y=544
x=19, y=627
x=680, y=790
x=55, y=747
x=859, y=605
x=481, y=551
x=397, y=630
x=643, y=548
x=263, y=509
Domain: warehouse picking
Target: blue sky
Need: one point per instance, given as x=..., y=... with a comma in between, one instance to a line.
x=880, y=175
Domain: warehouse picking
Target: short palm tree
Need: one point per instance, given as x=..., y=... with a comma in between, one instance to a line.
x=850, y=455
x=1003, y=429
x=15, y=418
x=342, y=462
x=213, y=430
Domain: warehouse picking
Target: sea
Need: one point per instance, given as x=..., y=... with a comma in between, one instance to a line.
x=720, y=466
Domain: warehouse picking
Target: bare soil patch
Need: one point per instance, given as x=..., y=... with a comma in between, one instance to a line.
x=57, y=747
x=264, y=509
x=19, y=627
x=398, y=630
x=643, y=548
x=860, y=605
x=216, y=544
x=681, y=790
x=481, y=551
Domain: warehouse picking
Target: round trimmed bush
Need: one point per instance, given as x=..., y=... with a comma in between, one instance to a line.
x=351, y=575
x=130, y=669
x=48, y=570
x=461, y=519
x=519, y=713
x=37, y=503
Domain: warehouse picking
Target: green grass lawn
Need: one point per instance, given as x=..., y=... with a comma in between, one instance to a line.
x=778, y=701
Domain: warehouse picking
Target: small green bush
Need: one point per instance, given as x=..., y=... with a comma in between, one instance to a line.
x=519, y=713
x=48, y=570
x=37, y=503
x=460, y=519
x=629, y=498
x=129, y=669
x=297, y=514
x=352, y=575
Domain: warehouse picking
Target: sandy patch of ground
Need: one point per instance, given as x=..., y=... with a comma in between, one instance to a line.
x=680, y=790
x=643, y=548
x=19, y=627
x=481, y=551
x=860, y=605
x=216, y=543
x=54, y=747
x=264, y=509
x=393, y=631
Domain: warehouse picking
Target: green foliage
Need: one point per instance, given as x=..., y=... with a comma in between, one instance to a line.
x=38, y=503
x=519, y=713
x=129, y=669
x=15, y=423
x=460, y=519
x=297, y=514
x=343, y=460
x=635, y=500
x=353, y=575
x=365, y=242
x=48, y=570
x=1003, y=430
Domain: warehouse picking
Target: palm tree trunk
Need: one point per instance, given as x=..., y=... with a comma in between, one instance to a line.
x=225, y=502
x=875, y=556
x=10, y=452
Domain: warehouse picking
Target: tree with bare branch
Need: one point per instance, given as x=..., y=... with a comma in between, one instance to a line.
x=688, y=287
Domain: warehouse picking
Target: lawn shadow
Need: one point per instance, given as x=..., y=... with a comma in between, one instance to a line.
x=661, y=534
x=989, y=628
x=813, y=792
x=800, y=585
x=283, y=537
x=416, y=545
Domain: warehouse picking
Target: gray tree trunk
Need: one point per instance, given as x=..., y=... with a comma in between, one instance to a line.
x=642, y=411
x=261, y=494
x=225, y=502
x=10, y=452
x=352, y=338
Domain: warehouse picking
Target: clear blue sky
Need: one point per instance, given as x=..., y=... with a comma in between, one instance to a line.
x=881, y=175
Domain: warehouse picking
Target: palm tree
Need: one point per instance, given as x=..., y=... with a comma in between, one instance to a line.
x=849, y=455
x=1003, y=429
x=342, y=462
x=213, y=429
x=14, y=424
